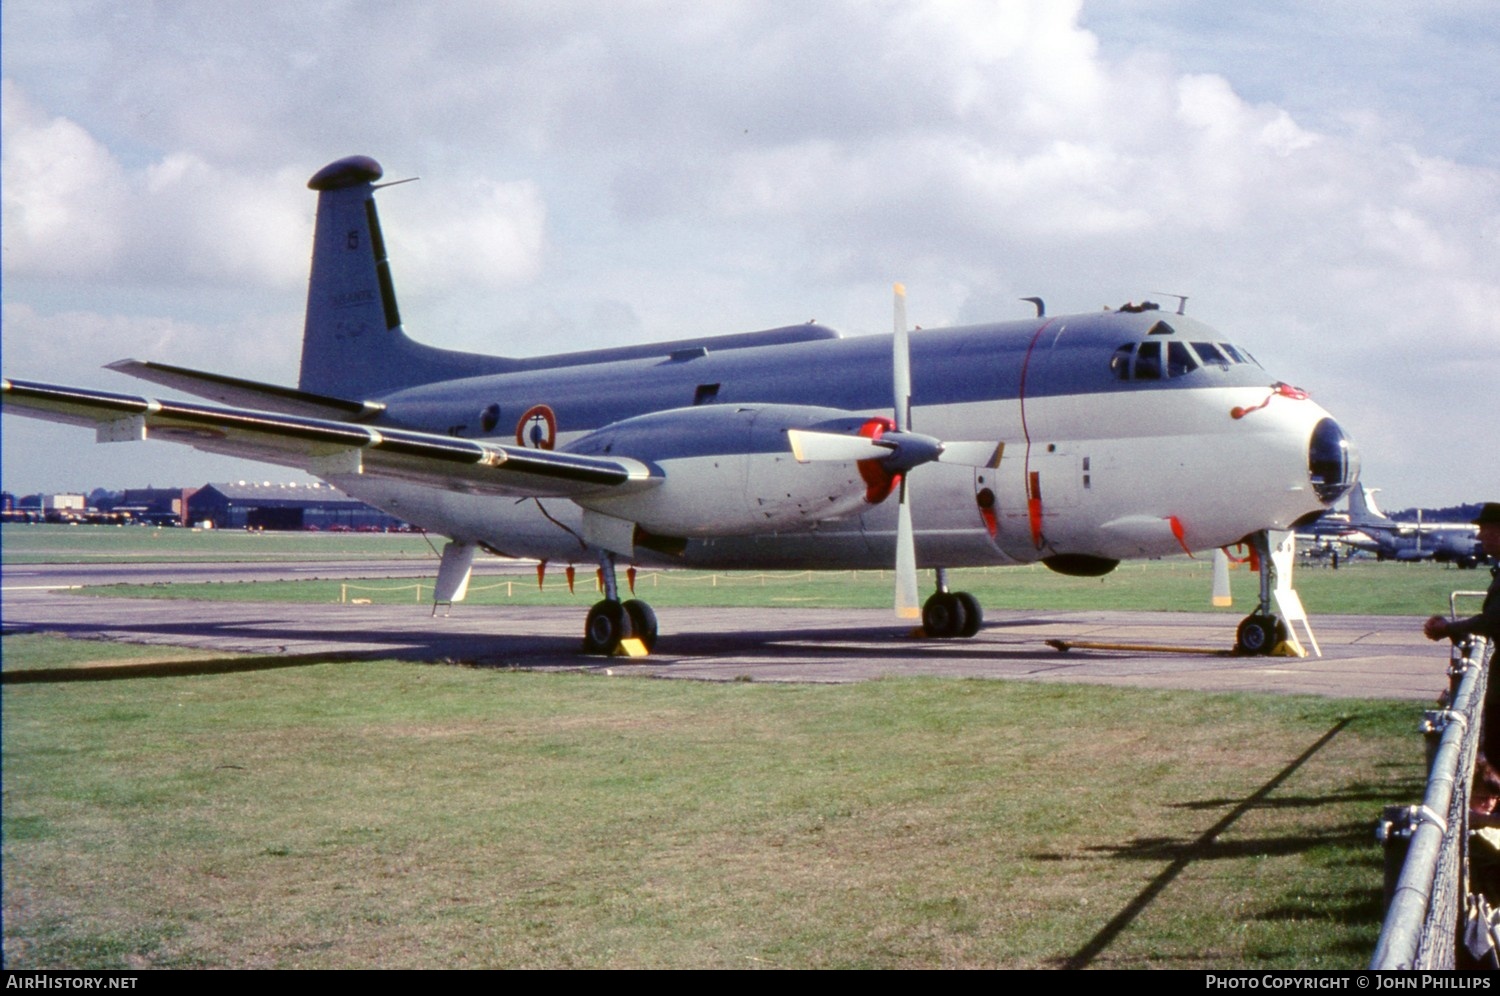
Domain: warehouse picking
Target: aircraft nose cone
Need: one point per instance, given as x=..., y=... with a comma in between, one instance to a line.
x=1332, y=461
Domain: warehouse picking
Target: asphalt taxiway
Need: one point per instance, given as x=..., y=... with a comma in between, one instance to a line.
x=1363, y=656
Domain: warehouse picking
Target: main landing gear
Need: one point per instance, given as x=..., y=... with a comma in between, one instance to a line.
x=611, y=621
x=947, y=614
x=1263, y=630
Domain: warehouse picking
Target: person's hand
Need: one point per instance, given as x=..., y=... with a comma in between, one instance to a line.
x=1435, y=628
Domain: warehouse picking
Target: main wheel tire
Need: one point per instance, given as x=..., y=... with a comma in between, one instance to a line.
x=1259, y=634
x=943, y=616
x=642, y=623
x=607, y=624
x=973, y=614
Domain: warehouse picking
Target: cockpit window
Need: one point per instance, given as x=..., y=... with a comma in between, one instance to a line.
x=1179, y=359
x=1161, y=359
x=1148, y=361
x=1238, y=354
x=1213, y=354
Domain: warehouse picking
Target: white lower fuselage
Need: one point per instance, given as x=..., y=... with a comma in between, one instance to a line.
x=1112, y=471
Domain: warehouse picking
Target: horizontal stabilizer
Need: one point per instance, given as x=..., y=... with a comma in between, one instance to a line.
x=248, y=393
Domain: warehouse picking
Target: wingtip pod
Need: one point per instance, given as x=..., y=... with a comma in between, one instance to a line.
x=350, y=171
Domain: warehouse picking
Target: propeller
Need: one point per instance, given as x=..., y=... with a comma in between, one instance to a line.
x=898, y=450
x=908, y=604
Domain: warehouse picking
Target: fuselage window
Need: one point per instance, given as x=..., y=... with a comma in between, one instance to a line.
x=1148, y=361
x=1179, y=359
x=489, y=418
x=1119, y=364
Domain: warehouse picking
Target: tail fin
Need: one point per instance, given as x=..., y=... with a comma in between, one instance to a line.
x=352, y=342
x=1362, y=507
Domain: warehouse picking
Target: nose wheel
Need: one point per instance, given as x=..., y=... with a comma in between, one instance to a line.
x=1259, y=634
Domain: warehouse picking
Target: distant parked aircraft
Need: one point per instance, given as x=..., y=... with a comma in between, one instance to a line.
x=1373, y=530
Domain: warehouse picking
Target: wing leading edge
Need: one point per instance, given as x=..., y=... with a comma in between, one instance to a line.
x=331, y=448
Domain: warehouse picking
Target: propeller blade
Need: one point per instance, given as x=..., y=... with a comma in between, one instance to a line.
x=1221, y=579
x=809, y=445
x=908, y=604
x=972, y=454
x=901, y=363
x=899, y=452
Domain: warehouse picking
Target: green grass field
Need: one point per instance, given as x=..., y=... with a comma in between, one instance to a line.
x=49, y=544
x=173, y=812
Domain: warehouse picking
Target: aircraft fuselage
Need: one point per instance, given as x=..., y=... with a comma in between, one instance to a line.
x=1109, y=453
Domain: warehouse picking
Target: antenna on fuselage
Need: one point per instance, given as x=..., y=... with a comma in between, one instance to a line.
x=1181, y=300
x=1041, y=307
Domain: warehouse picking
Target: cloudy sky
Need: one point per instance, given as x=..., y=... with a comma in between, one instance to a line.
x=1322, y=177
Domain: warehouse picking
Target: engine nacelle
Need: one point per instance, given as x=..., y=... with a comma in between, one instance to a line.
x=728, y=470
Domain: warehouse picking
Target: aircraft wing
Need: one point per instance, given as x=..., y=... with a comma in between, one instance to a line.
x=330, y=448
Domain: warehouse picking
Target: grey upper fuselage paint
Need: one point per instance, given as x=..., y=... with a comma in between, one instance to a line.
x=1066, y=355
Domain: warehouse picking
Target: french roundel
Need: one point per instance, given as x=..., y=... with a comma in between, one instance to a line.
x=537, y=429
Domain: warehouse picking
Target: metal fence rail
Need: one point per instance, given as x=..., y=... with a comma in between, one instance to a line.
x=1427, y=906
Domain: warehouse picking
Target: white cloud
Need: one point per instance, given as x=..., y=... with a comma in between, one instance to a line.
x=64, y=346
x=476, y=233
x=62, y=196
x=72, y=211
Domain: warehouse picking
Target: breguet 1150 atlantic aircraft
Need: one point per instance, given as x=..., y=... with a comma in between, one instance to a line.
x=1077, y=441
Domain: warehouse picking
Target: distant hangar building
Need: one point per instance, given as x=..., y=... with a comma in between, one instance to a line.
x=251, y=505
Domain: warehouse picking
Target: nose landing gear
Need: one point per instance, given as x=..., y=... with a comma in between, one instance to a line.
x=1264, y=630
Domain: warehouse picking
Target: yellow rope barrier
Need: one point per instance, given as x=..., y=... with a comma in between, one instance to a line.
x=657, y=579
